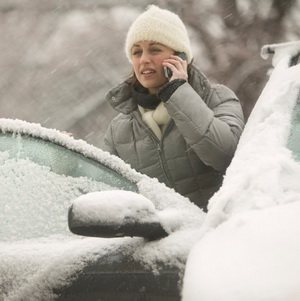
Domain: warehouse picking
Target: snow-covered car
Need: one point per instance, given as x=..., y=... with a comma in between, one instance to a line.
x=43, y=174
x=245, y=248
x=250, y=240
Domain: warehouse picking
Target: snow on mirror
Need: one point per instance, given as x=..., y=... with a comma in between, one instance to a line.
x=115, y=214
x=32, y=171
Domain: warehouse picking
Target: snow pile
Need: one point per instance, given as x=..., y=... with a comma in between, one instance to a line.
x=253, y=256
x=250, y=244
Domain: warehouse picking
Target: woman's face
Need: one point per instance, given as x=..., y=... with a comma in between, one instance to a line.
x=147, y=58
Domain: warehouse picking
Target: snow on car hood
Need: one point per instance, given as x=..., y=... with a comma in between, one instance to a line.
x=30, y=266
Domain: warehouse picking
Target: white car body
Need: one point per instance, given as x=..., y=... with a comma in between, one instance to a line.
x=250, y=243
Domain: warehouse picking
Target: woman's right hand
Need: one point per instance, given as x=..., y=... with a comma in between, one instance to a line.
x=178, y=66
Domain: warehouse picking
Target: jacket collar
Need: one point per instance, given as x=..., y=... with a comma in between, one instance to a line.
x=120, y=98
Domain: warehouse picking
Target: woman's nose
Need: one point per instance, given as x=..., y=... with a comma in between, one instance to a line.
x=145, y=58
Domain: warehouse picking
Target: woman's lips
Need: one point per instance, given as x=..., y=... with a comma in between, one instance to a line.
x=147, y=72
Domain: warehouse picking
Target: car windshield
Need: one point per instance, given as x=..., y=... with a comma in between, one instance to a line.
x=34, y=171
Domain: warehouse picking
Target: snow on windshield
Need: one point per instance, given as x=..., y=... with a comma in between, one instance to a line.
x=80, y=146
x=34, y=200
x=250, y=244
x=32, y=264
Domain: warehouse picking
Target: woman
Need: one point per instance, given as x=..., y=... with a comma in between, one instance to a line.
x=179, y=129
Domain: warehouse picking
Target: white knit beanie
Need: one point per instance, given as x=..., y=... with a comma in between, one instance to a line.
x=162, y=26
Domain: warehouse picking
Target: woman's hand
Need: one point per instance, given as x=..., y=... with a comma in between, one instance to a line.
x=67, y=133
x=178, y=66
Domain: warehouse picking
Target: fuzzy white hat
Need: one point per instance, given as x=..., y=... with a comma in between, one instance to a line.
x=162, y=26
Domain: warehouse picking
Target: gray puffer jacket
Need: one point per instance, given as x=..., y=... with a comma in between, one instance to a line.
x=196, y=146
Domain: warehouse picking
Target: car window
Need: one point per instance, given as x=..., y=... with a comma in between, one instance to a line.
x=34, y=171
x=294, y=137
x=61, y=160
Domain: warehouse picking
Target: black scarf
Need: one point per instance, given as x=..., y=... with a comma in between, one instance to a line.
x=144, y=99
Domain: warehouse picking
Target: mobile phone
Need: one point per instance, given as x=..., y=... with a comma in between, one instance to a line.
x=167, y=71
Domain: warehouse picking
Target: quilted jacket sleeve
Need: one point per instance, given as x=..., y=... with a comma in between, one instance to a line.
x=211, y=127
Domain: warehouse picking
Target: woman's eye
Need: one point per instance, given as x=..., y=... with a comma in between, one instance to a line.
x=155, y=50
x=136, y=52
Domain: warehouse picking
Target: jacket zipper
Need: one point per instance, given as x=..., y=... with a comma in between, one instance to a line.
x=161, y=155
x=159, y=149
x=163, y=162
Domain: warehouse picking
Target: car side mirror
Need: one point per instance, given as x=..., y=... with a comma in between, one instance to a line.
x=115, y=214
